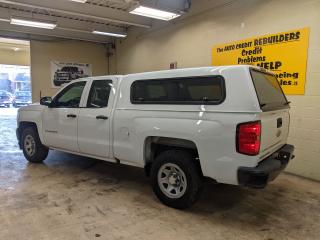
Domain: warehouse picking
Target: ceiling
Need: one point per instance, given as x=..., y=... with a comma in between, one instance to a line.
x=78, y=20
x=74, y=20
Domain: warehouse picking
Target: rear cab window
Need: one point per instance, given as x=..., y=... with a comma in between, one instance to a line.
x=187, y=90
x=99, y=94
x=269, y=91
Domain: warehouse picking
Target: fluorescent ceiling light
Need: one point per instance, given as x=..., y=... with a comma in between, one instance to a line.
x=154, y=13
x=32, y=23
x=14, y=41
x=79, y=1
x=109, y=34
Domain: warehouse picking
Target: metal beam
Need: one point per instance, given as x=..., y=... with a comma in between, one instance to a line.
x=65, y=33
x=90, y=12
x=62, y=22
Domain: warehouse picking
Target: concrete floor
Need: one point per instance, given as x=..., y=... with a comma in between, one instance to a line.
x=71, y=197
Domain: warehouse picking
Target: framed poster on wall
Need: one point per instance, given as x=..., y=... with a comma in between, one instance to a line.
x=283, y=53
x=65, y=72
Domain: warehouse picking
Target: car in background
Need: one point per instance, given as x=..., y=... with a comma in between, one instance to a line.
x=23, y=82
x=5, y=82
x=67, y=74
x=22, y=77
x=6, y=99
x=22, y=98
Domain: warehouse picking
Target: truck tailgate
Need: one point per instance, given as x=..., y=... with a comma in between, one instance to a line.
x=274, y=130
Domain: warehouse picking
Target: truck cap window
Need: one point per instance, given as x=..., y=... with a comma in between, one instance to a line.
x=190, y=90
x=269, y=92
x=99, y=94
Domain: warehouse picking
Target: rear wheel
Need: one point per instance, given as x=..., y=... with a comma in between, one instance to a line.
x=33, y=150
x=176, y=179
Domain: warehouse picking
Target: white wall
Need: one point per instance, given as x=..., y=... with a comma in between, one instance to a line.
x=189, y=42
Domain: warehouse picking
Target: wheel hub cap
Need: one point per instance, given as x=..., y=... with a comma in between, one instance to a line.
x=172, y=180
x=29, y=145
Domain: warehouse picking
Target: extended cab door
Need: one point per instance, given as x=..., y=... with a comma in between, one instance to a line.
x=60, y=120
x=95, y=119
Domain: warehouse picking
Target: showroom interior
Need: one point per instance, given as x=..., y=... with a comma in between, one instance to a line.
x=77, y=197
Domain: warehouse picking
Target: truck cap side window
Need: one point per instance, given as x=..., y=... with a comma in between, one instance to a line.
x=70, y=96
x=189, y=90
x=99, y=94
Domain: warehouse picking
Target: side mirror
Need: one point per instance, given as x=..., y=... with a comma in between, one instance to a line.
x=46, y=101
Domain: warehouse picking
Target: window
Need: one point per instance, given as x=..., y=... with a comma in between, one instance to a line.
x=191, y=90
x=269, y=91
x=70, y=96
x=99, y=94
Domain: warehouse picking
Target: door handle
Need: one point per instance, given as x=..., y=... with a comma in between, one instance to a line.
x=102, y=117
x=71, y=116
x=279, y=122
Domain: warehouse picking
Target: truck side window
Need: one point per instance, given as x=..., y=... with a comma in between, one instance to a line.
x=99, y=94
x=70, y=96
x=187, y=90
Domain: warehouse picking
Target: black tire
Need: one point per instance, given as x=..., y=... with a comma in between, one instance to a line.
x=40, y=152
x=56, y=83
x=186, y=162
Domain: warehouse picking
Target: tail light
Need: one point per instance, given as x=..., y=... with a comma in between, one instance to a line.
x=248, y=138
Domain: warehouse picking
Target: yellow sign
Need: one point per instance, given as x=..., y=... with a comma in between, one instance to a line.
x=283, y=53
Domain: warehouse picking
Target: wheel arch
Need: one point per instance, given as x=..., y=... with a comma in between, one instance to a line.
x=23, y=125
x=154, y=145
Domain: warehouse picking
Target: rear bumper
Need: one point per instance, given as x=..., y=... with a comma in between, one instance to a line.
x=267, y=170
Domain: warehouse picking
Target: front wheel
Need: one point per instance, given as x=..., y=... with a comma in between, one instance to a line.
x=33, y=150
x=56, y=83
x=176, y=178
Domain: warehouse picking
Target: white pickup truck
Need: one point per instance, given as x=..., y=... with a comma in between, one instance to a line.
x=228, y=123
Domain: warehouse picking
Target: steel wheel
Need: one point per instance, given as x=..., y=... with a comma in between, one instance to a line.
x=172, y=180
x=30, y=145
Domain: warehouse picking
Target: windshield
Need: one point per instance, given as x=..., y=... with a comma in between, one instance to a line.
x=269, y=92
x=23, y=94
x=70, y=69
